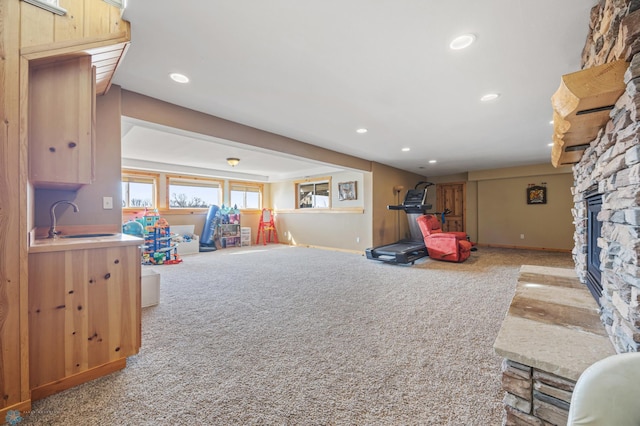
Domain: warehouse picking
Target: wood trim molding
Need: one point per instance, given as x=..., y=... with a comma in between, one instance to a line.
x=23, y=406
x=524, y=248
x=74, y=46
x=77, y=379
x=333, y=210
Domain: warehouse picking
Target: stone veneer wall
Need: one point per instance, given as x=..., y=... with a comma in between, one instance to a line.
x=534, y=397
x=612, y=164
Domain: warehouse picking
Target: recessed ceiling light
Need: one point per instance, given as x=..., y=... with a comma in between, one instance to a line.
x=551, y=122
x=462, y=41
x=179, y=78
x=490, y=97
x=550, y=144
x=362, y=130
x=406, y=149
x=433, y=161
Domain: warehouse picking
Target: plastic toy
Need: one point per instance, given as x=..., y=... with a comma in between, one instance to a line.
x=160, y=246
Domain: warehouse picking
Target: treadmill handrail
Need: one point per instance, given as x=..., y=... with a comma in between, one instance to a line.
x=426, y=184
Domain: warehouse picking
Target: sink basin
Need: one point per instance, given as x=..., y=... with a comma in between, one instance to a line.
x=87, y=235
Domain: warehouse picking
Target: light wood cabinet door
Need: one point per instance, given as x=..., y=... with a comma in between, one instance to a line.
x=84, y=310
x=113, y=304
x=47, y=315
x=61, y=121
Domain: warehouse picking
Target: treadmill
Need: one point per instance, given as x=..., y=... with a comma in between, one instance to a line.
x=406, y=250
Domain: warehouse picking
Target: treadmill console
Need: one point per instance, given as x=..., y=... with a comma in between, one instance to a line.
x=414, y=202
x=415, y=197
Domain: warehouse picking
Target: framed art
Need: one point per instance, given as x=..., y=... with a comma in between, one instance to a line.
x=537, y=194
x=347, y=191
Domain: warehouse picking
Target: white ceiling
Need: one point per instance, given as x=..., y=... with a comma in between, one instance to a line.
x=318, y=70
x=148, y=146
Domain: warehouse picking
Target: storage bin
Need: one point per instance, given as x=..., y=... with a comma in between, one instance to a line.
x=189, y=247
x=150, y=287
x=245, y=236
x=186, y=247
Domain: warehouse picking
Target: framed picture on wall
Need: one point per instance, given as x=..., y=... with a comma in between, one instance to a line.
x=537, y=194
x=347, y=191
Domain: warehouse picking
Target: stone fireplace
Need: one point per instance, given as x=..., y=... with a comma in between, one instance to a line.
x=607, y=178
x=554, y=329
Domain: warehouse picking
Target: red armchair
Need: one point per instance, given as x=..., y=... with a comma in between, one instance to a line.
x=449, y=246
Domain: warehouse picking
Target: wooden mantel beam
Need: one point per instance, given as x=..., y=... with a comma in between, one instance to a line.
x=581, y=106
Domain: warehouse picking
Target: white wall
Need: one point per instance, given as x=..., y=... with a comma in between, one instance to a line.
x=346, y=225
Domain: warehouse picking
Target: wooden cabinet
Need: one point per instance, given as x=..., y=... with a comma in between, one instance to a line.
x=61, y=123
x=84, y=315
x=27, y=35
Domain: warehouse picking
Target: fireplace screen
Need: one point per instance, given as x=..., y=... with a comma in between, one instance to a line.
x=594, y=226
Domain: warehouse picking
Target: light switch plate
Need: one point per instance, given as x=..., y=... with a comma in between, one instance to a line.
x=107, y=203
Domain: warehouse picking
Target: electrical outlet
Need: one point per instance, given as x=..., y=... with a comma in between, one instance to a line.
x=107, y=203
x=522, y=236
x=357, y=239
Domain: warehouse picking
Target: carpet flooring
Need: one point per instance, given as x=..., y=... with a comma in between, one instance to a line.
x=282, y=335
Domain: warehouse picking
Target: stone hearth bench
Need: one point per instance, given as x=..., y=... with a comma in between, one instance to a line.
x=550, y=335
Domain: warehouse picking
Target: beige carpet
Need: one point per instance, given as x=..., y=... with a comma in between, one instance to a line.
x=298, y=336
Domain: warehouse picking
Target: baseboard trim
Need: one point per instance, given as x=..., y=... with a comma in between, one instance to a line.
x=525, y=248
x=77, y=379
x=23, y=407
x=556, y=250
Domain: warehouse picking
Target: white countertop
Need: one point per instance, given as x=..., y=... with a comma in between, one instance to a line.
x=42, y=245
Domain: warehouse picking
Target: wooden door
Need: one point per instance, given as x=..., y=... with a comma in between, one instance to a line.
x=452, y=196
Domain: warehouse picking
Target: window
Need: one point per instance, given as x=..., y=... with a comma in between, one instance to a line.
x=147, y=189
x=313, y=194
x=138, y=190
x=193, y=192
x=246, y=195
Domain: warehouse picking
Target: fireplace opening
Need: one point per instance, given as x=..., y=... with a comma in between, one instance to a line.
x=594, y=228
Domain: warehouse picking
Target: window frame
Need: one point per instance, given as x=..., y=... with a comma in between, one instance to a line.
x=260, y=188
x=194, y=179
x=142, y=176
x=314, y=181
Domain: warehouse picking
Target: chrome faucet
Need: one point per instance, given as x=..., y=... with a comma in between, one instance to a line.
x=52, y=215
